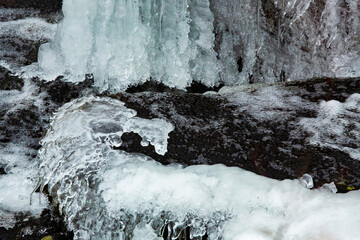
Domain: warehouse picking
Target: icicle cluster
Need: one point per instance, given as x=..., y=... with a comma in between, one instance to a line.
x=126, y=42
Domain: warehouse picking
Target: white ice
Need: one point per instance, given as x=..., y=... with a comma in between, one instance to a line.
x=126, y=42
x=100, y=190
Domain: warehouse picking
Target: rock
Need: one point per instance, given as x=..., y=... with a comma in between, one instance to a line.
x=8, y=81
x=43, y=5
x=211, y=129
x=47, y=226
x=60, y=92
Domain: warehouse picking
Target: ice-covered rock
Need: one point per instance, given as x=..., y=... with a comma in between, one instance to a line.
x=337, y=125
x=106, y=193
x=258, y=128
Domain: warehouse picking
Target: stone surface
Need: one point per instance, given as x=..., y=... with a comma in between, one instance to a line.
x=8, y=81
x=211, y=129
x=30, y=228
x=44, y=5
x=60, y=92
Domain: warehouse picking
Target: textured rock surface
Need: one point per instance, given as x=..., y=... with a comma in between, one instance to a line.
x=29, y=228
x=211, y=129
x=43, y=5
x=9, y=82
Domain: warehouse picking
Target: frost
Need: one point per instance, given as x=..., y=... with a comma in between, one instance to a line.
x=35, y=29
x=105, y=193
x=337, y=126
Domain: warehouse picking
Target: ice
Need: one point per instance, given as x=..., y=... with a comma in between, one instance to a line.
x=105, y=193
x=21, y=199
x=307, y=181
x=145, y=232
x=18, y=157
x=337, y=126
x=88, y=134
x=125, y=42
x=288, y=39
x=151, y=131
x=17, y=185
x=266, y=102
x=330, y=186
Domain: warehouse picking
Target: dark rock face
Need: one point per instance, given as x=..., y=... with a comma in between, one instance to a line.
x=153, y=86
x=22, y=124
x=19, y=50
x=44, y=5
x=30, y=228
x=9, y=82
x=212, y=129
x=60, y=92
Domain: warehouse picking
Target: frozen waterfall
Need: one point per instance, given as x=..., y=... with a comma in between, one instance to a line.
x=127, y=42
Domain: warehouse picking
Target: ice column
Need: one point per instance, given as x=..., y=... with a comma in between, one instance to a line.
x=126, y=42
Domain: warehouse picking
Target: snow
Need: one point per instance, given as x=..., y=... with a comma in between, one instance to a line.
x=102, y=191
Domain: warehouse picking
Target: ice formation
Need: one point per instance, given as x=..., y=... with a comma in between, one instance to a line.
x=111, y=194
x=337, y=126
x=277, y=40
x=123, y=42
x=17, y=157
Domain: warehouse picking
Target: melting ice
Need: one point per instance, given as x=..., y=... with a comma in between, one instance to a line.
x=111, y=194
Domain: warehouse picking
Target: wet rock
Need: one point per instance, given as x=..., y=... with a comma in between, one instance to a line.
x=22, y=124
x=60, y=92
x=210, y=129
x=8, y=81
x=154, y=86
x=36, y=228
x=326, y=88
